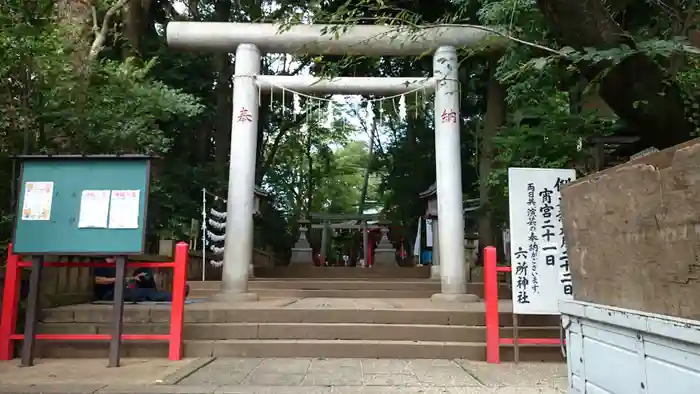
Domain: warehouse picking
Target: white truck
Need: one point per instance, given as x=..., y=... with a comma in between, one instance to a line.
x=633, y=239
x=620, y=351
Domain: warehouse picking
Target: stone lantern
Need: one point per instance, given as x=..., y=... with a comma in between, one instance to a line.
x=385, y=253
x=302, y=253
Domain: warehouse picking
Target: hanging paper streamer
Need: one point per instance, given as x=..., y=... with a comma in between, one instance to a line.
x=217, y=225
x=215, y=237
x=381, y=112
x=402, y=107
x=329, y=115
x=217, y=249
x=296, y=102
x=369, y=117
x=216, y=263
x=217, y=214
x=415, y=114
x=284, y=92
x=214, y=230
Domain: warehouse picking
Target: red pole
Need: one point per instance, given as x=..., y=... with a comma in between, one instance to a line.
x=10, y=305
x=491, y=300
x=177, y=313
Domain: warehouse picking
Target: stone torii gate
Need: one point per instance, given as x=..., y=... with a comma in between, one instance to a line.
x=250, y=40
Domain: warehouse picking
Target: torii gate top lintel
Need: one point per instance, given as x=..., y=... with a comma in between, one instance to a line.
x=318, y=39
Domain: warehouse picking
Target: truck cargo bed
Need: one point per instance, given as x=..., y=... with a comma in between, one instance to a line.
x=620, y=351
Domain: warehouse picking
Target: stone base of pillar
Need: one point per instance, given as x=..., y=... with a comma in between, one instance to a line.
x=434, y=272
x=301, y=256
x=464, y=298
x=231, y=296
x=384, y=257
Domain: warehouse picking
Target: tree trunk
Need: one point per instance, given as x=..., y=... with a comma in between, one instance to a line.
x=493, y=119
x=135, y=25
x=264, y=116
x=224, y=94
x=75, y=17
x=637, y=89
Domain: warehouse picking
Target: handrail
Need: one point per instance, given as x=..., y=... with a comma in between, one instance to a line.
x=10, y=304
x=493, y=330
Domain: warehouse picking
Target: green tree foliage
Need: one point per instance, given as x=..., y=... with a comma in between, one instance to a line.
x=55, y=99
x=560, y=58
x=89, y=76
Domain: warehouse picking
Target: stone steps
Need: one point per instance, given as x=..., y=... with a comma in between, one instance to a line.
x=285, y=331
x=310, y=331
x=160, y=314
x=429, y=285
x=340, y=288
x=301, y=348
x=311, y=271
x=308, y=293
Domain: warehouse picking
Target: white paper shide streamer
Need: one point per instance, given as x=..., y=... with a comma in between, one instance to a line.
x=329, y=115
x=369, y=116
x=218, y=215
x=297, y=104
x=214, y=229
x=402, y=107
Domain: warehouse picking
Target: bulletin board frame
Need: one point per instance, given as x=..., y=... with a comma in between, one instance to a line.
x=70, y=175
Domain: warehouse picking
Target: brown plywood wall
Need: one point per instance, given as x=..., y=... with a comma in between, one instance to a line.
x=633, y=233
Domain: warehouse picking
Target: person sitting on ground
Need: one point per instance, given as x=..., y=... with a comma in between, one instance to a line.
x=139, y=287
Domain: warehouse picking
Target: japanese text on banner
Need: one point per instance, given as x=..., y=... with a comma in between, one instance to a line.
x=541, y=274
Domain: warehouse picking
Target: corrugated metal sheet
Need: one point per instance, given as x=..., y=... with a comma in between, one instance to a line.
x=619, y=351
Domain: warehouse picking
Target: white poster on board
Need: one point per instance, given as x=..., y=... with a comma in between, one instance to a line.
x=94, y=209
x=538, y=254
x=124, y=209
x=38, y=198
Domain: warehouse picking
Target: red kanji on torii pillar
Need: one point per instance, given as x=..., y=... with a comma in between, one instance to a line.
x=448, y=116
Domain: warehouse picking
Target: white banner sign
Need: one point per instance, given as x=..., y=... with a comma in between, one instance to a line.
x=538, y=255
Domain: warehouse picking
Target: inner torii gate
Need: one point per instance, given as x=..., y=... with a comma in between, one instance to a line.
x=249, y=40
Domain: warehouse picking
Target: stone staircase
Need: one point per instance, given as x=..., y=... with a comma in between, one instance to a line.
x=338, y=288
x=302, y=317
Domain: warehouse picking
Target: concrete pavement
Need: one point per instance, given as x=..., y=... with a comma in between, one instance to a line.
x=284, y=376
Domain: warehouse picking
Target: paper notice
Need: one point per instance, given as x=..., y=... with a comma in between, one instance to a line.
x=124, y=209
x=38, y=197
x=94, y=209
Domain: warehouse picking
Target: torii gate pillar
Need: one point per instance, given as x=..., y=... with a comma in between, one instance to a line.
x=448, y=173
x=238, y=242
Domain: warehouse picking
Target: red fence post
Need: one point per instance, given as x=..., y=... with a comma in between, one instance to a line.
x=10, y=305
x=493, y=337
x=177, y=313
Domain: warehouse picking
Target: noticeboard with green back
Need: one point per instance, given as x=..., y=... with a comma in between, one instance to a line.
x=82, y=205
